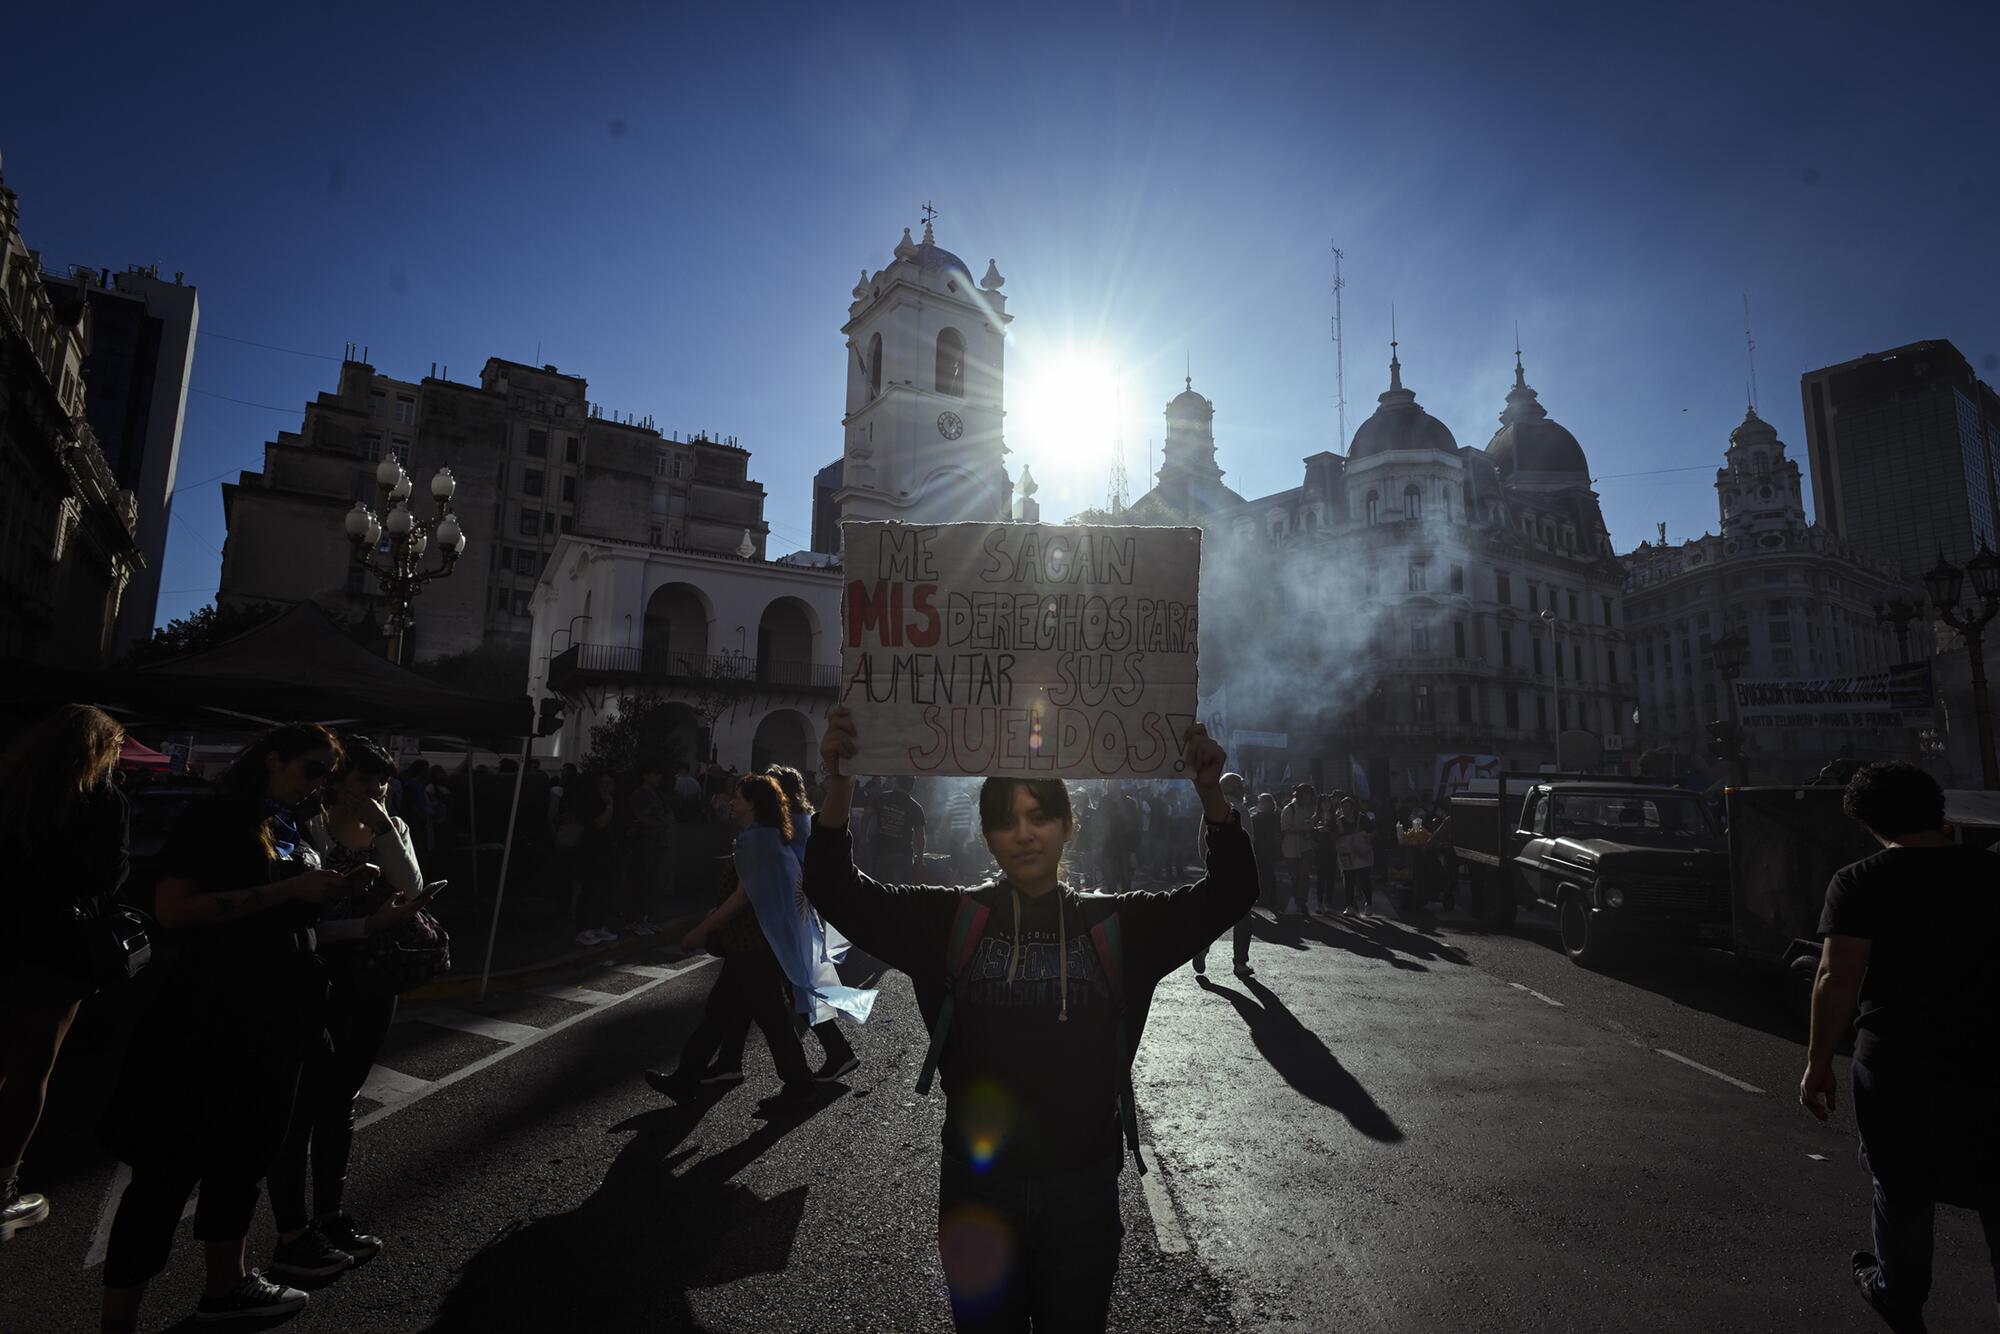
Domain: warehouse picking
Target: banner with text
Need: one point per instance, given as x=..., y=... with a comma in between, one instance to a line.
x=1020, y=648
x=1897, y=698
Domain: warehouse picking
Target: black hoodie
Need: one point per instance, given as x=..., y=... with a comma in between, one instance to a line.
x=1028, y=1092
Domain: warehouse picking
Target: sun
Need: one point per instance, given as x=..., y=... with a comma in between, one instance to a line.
x=1066, y=403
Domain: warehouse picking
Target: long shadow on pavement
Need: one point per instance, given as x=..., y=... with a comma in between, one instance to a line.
x=1298, y=1054
x=627, y=1257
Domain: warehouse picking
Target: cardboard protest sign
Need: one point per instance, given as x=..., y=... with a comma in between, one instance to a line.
x=1020, y=648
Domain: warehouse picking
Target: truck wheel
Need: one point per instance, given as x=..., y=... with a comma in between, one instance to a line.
x=1585, y=945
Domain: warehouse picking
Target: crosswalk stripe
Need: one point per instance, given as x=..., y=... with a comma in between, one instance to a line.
x=389, y=1087
x=479, y=1025
x=581, y=995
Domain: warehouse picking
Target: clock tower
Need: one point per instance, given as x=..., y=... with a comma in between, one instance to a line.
x=925, y=373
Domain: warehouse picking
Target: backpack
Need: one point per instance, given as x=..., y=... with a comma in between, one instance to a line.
x=968, y=924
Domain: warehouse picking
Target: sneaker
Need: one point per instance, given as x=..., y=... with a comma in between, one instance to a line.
x=835, y=1070
x=722, y=1074
x=603, y=935
x=1867, y=1273
x=309, y=1255
x=20, y=1210
x=342, y=1235
x=675, y=1086
x=253, y=1298
x=1245, y=970
x=586, y=937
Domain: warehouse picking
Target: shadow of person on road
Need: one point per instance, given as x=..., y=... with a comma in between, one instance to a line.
x=1275, y=931
x=1297, y=1054
x=1350, y=937
x=627, y=1257
x=1419, y=943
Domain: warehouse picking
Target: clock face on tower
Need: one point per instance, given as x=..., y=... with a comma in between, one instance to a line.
x=949, y=426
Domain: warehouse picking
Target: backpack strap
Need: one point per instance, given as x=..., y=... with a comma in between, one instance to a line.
x=1109, y=942
x=968, y=924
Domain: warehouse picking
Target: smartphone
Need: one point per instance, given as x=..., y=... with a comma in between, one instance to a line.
x=432, y=890
x=365, y=872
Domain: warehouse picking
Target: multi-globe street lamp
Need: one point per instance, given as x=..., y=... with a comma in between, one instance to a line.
x=399, y=570
x=1945, y=582
x=1730, y=652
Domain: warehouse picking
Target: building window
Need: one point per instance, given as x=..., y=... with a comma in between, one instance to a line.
x=1370, y=582
x=1465, y=704
x=1503, y=589
x=1420, y=637
x=1534, y=598
x=569, y=488
x=506, y=555
x=653, y=535
x=1611, y=665
x=1535, y=651
x=1506, y=647
x=525, y=563
x=521, y=596
x=377, y=403
x=355, y=587
x=562, y=523
x=500, y=597
x=1468, y=502
x=548, y=521
x=1458, y=638
x=531, y=482
x=406, y=408
x=679, y=466
x=1609, y=621
x=660, y=464
x=531, y=522
x=1513, y=710
x=1413, y=503
x=950, y=378
x=371, y=448
x=562, y=409
x=1373, y=507
x=1576, y=659
x=1458, y=578
x=1542, y=712
x=400, y=449
x=1420, y=700
x=874, y=366
x=1416, y=576
x=1572, y=607
x=538, y=444
x=572, y=447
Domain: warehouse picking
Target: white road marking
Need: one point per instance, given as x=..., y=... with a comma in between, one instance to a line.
x=1697, y=1065
x=389, y=1087
x=1546, y=1000
x=582, y=995
x=1166, y=1224
x=646, y=970
x=479, y=1025
x=101, y=1237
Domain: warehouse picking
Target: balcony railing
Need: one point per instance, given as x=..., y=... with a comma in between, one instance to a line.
x=670, y=666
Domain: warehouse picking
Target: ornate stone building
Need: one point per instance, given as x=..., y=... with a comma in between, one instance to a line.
x=1412, y=601
x=534, y=460
x=1802, y=598
x=68, y=546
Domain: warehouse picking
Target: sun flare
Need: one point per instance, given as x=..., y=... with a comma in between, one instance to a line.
x=1067, y=411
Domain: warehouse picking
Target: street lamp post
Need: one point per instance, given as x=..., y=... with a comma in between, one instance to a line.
x=1555, y=684
x=1944, y=582
x=1729, y=653
x=1899, y=612
x=400, y=570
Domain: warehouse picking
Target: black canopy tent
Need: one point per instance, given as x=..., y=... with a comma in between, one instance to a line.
x=299, y=665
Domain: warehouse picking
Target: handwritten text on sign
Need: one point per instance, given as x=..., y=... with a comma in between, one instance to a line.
x=992, y=648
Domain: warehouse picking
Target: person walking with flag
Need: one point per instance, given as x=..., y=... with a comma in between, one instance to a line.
x=1034, y=995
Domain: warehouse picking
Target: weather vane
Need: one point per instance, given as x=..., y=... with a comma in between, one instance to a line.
x=930, y=214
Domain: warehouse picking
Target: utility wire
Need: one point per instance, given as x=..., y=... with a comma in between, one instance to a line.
x=268, y=347
x=197, y=532
x=1654, y=472
x=268, y=407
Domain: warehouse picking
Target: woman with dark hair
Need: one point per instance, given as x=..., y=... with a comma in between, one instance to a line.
x=1035, y=995
x=355, y=830
x=206, y=1094
x=750, y=984
x=63, y=827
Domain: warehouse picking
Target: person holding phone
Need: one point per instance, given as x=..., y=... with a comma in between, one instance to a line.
x=205, y=1096
x=355, y=835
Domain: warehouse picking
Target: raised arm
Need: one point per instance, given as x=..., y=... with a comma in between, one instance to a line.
x=1178, y=923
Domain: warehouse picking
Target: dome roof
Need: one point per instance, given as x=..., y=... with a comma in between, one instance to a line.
x=1754, y=430
x=1189, y=404
x=1399, y=424
x=1528, y=441
x=932, y=257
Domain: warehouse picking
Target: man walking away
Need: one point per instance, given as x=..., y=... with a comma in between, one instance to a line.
x=1232, y=789
x=899, y=834
x=1924, y=1085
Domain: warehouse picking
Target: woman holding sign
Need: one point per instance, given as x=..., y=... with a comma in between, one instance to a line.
x=1034, y=995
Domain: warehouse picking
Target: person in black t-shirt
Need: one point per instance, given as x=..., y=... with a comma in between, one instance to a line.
x=1924, y=1081
x=899, y=833
x=1028, y=1223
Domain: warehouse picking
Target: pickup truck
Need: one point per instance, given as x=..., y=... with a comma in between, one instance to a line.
x=1618, y=861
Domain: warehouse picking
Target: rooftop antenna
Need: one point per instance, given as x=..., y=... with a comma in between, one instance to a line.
x=1119, y=484
x=1339, y=352
x=1750, y=350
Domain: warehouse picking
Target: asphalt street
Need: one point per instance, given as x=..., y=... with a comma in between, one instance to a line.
x=1391, y=1127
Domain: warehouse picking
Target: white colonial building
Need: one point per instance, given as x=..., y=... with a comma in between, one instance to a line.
x=744, y=652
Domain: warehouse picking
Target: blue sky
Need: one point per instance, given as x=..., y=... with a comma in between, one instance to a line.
x=675, y=203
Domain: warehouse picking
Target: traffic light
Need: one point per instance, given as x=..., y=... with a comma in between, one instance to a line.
x=1725, y=741
x=550, y=719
